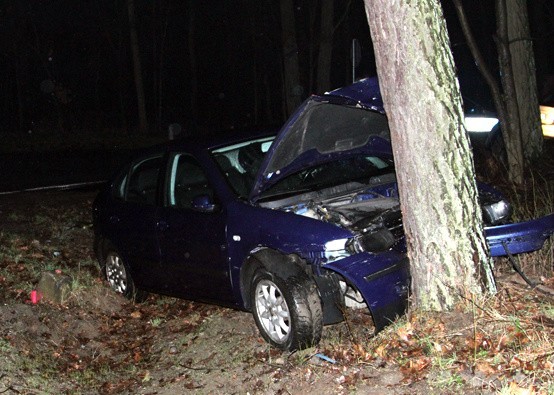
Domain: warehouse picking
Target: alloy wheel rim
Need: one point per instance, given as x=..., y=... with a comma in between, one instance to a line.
x=116, y=274
x=273, y=311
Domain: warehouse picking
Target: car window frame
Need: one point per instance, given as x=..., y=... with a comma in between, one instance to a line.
x=123, y=179
x=165, y=190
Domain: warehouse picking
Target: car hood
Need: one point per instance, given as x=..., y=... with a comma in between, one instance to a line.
x=325, y=128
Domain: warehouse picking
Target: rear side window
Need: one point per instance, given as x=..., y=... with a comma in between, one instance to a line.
x=140, y=184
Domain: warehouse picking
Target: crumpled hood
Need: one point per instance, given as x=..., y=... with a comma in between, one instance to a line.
x=344, y=122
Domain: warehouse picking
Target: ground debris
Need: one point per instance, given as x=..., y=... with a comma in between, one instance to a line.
x=98, y=342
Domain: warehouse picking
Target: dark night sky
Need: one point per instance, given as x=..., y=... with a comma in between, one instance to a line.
x=67, y=64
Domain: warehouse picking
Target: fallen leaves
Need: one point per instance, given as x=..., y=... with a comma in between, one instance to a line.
x=136, y=314
x=508, y=343
x=405, y=333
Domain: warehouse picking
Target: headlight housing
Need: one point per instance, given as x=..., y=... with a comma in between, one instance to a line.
x=377, y=241
x=336, y=249
x=497, y=213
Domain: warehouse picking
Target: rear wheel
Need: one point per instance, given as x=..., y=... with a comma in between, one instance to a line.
x=287, y=311
x=117, y=273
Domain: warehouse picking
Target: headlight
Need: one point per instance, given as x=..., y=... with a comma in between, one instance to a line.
x=496, y=213
x=336, y=249
x=377, y=241
x=480, y=124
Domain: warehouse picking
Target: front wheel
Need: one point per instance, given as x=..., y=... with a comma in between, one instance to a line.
x=287, y=311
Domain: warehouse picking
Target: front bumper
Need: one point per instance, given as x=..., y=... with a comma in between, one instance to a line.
x=382, y=279
x=520, y=237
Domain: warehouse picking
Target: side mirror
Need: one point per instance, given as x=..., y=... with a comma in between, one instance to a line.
x=204, y=203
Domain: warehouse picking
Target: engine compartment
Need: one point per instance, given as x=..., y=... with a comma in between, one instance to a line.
x=371, y=212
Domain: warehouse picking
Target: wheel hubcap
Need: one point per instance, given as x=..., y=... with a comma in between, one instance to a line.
x=115, y=273
x=273, y=311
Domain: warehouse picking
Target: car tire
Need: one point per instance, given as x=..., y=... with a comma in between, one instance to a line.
x=118, y=275
x=287, y=311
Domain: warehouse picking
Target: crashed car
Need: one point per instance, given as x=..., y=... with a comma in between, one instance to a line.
x=293, y=226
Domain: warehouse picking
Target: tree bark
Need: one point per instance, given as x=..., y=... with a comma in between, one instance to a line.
x=438, y=194
x=137, y=68
x=293, y=94
x=511, y=129
x=516, y=104
x=192, y=61
x=524, y=73
x=506, y=110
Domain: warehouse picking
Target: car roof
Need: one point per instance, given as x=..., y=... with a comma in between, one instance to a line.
x=215, y=140
x=207, y=141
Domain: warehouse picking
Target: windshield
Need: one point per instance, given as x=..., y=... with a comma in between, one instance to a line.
x=240, y=163
x=360, y=169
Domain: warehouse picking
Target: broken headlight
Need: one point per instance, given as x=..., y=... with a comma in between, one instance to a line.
x=378, y=241
x=497, y=213
x=336, y=249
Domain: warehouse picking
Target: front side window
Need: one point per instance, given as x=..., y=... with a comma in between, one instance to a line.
x=186, y=182
x=140, y=184
x=239, y=163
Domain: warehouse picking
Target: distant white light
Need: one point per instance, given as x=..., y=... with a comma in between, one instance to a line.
x=480, y=124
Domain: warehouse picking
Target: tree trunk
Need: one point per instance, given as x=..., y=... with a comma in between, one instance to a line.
x=137, y=68
x=293, y=89
x=325, y=47
x=161, y=11
x=517, y=103
x=511, y=129
x=524, y=73
x=192, y=62
x=20, y=73
x=438, y=194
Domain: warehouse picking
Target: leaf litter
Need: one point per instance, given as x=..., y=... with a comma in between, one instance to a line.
x=100, y=343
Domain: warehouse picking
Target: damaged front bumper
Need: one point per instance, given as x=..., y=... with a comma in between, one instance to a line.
x=383, y=281
x=519, y=237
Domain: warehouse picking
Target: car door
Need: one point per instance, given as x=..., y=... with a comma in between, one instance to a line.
x=133, y=218
x=192, y=237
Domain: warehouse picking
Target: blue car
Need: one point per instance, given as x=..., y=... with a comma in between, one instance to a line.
x=293, y=225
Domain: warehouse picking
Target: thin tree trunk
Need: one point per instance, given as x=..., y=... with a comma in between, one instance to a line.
x=436, y=180
x=524, y=74
x=511, y=129
x=507, y=112
x=21, y=111
x=192, y=61
x=293, y=94
x=325, y=47
x=137, y=68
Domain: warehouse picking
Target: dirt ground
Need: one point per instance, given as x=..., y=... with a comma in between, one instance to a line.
x=98, y=342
